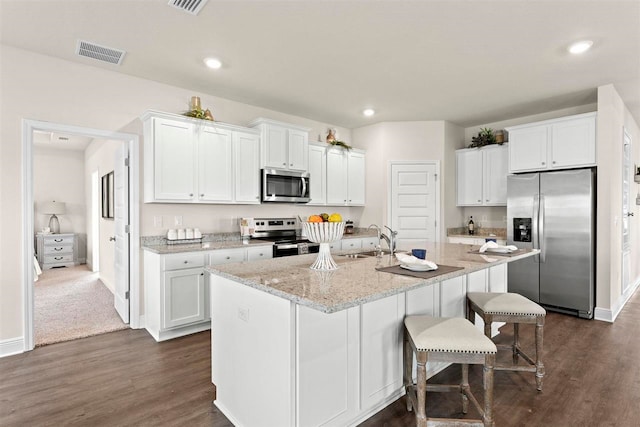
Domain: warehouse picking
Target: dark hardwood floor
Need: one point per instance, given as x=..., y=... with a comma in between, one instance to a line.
x=125, y=378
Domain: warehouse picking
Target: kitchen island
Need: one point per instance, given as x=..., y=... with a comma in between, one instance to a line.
x=297, y=347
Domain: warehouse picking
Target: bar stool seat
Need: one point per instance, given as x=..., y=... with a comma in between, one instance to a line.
x=452, y=340
x=511, y=308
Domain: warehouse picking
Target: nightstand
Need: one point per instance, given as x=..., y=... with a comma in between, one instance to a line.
x=57, y=250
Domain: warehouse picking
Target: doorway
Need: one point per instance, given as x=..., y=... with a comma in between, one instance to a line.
x=627, y=177
x=415, y=202
x=30, y=127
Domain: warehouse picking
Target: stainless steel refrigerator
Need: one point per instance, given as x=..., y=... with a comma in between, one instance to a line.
x=554, y=212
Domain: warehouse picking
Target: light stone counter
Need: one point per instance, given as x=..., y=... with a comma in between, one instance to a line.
x=356, y=281
x=164, y=249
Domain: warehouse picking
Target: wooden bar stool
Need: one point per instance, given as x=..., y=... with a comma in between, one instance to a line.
x=452, y=340
x=516, y=309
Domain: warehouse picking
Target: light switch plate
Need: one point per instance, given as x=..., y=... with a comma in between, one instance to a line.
x=157, y=221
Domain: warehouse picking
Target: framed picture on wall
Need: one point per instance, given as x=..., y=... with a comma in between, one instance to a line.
x=107, y=196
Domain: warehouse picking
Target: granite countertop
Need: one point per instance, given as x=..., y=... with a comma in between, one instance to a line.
x=482, y=232
x=356, y=281
x=158, y=244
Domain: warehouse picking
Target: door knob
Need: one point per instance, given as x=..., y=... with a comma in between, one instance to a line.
x=629, y=213
x=112, y=239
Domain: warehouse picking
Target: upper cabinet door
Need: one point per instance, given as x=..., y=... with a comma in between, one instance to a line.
x=298, y=149
x=355, y=179
x=215, y=173
x=573, y=143
x=528, y=148
x=247, y=167
x=173, y=160
x=317, y=175
x=495, y=169
x=276, y=147
x=469, y=177
x=336, y=177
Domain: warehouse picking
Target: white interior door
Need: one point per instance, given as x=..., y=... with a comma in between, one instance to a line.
x=627, y=175
x=121, y=217
x=414, y=203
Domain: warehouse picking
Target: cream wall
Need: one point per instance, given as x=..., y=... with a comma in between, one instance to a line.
x=99, y=156
x=402, y=141
x=59, y=175
x=613, y=117
x=42, y=88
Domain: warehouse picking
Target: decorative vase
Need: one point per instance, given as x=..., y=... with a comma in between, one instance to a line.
x=324, y=233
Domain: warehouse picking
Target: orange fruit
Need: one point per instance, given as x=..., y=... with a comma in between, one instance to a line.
x=315, y=218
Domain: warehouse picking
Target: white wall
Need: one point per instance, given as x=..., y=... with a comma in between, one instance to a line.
x=613, y=117
x=59, y=175
x=389, y=141
x=100, y=156
x=42, y=88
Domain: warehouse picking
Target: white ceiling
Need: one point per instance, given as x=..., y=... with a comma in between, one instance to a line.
x=469, y=62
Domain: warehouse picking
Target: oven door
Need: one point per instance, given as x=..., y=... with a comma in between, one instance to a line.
x=285, y=186
x=293, y=248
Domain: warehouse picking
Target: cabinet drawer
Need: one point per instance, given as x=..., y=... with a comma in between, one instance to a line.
x=260, y=252
x=351, y=244
x=227, y=256
x=58, y=249
x=58, y=240
x=52, y=259
x=181, y=261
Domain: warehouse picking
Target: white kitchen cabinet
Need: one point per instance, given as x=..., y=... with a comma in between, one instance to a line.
x=567, y=142
x=335, y=246
x=317, y=173
x=226, y=256
x=176, y=294
x=481, y=176
x=195, y=161
x=246, y=148
x=345, y=177
x=183, y=297
x=369, y=243
x=354, y=243
x=284, y=146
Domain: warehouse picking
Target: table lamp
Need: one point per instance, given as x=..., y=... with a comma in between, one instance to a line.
x=54, y=208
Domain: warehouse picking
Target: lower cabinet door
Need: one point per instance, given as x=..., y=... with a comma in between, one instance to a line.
x=183, y=297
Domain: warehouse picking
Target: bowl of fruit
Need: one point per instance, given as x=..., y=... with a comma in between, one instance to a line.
x=324, y=229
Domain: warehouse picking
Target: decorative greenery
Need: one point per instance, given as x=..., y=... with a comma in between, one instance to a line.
x=337, y=143
x=485, y=137
x=199, y=113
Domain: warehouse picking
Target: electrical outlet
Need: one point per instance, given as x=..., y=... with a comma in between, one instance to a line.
x=178, y=220
x=243, y=314
x=484, y=218
x=157, y=221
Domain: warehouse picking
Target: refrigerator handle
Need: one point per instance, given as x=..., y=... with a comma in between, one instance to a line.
x=534, y=222
x=541, y=242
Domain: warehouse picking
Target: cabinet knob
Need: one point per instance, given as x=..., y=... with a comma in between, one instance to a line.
x=186, y=262
x=345, y=200
x=487, y=200
x=479, y=201
x=190, y=194
x=290, y=164
x=202, y=195
x=284, y=164
x=228, y=257
x=202, y=274
x=554, y=162
x=543, y=163
x=257, y=197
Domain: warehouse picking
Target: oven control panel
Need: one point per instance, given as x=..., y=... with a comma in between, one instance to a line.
x=275, y=224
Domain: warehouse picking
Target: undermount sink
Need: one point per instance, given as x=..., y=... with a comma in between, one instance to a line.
x=366, y=254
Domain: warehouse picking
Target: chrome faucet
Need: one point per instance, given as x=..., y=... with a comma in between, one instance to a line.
x=390, y=238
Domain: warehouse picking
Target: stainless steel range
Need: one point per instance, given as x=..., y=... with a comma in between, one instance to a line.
x=284, y=232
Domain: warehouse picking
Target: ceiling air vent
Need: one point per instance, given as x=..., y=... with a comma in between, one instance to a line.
x=192, y=6
x=101, y=53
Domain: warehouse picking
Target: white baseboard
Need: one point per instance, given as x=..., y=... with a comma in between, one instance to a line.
x=11, y=346
x=610, y=315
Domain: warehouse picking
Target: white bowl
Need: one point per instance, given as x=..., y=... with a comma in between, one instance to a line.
x=323, y=232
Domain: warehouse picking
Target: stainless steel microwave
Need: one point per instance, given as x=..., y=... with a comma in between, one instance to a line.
x=285, y=186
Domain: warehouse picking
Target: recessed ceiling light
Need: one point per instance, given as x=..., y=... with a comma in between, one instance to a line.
x=369, y=112
x=213, y=63
x=580, y=47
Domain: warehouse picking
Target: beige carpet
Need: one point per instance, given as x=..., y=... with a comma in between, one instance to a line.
x=71, y=303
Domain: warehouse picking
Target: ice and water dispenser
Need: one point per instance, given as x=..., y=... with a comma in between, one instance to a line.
x=522, y=229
